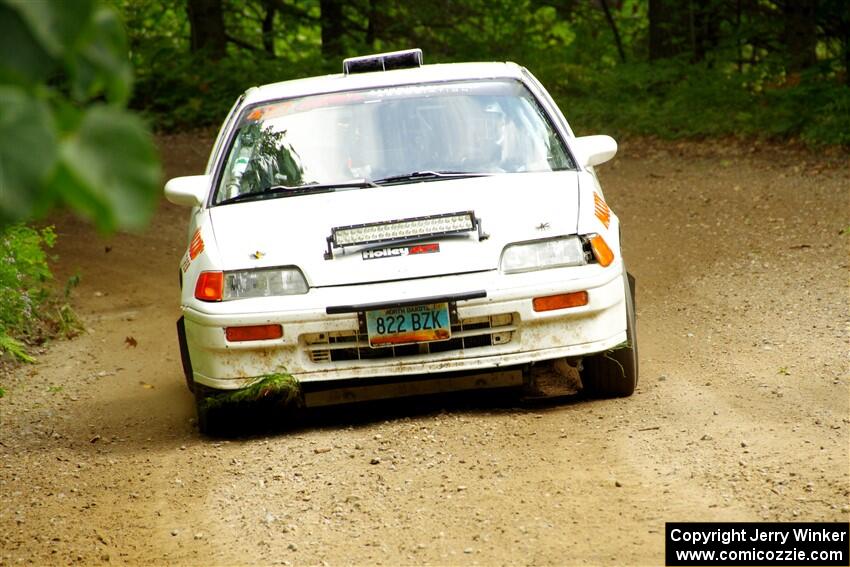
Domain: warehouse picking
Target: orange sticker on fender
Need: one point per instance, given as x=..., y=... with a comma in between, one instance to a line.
x=196, y=246
x=603, y=213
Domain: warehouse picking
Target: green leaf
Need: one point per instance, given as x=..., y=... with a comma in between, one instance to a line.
x=102, y=63
x=56, y=25
x=109, y=169
x=36, y=35
x=13, y=347
x=27, y=154
x=23, y=58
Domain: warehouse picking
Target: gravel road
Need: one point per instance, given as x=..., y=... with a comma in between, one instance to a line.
x=742, y=412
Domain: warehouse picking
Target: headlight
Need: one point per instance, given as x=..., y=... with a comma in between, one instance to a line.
x=264, y=283
x=542, y=254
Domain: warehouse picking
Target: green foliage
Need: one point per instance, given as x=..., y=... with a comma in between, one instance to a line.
x=67, y=322
x=180, y=91
x=817, y=112
x=675, y=99
x=65, y=137
x=14, y=348
x=24, y=276
x=283, y=389
x=28, y=308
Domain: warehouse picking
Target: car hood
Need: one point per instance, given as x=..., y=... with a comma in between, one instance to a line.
x=293, y=231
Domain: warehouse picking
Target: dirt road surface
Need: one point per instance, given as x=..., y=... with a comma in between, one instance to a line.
x=742, y=412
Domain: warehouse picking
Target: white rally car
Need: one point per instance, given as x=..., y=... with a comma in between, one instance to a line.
x=399, y=220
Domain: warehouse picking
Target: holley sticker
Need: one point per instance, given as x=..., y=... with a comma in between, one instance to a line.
x=396, y=251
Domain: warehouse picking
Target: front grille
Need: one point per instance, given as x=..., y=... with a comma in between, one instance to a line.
x=471, y=333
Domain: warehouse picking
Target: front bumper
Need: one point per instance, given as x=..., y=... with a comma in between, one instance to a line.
x=498, y=330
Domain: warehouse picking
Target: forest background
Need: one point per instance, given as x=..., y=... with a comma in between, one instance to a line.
x=671, y=68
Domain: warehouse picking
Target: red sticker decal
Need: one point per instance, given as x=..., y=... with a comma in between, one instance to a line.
x=397, y=251
x=424, y=249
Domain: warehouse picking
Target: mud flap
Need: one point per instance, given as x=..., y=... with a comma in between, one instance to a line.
x=614, y=373
x=184, y=355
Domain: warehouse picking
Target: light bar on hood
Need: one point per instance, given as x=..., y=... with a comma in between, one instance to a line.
x=402, y=229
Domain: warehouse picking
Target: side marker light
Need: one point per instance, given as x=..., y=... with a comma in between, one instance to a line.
x=253, y=333
x=560, y=301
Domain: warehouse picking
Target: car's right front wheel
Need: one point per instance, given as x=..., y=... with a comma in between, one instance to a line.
x=614, y=373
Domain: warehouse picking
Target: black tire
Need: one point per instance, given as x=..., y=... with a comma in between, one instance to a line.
x=219, y=417
x=209, y=420
x=614, y=374
x=184, y=354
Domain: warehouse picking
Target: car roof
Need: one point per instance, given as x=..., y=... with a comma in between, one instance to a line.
x=358, y=81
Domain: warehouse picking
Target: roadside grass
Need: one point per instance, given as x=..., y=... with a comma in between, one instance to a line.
x=31, y=310
x=15, y=348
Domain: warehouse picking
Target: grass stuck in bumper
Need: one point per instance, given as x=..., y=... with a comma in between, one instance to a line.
x=277, y=389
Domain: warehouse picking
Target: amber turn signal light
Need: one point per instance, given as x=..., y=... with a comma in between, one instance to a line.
x=210, y=286
x=560, y=301
x=253, y=333
x=603, y=254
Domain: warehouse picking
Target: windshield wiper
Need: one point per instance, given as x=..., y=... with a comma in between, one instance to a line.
x=292, y=191
x=427, y=174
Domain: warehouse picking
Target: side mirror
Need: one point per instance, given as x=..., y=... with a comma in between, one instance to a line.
x=188, y=191
x=593, y=150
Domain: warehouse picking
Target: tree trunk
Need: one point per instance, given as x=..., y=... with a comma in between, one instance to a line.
x=847, y=55
x=333, y=28
x=669, y=28
x=268, y=27
x=738, y=43
x=614, y=30
x=800, y=35
x=706, y=29
x=206, y=23
x=375, y=29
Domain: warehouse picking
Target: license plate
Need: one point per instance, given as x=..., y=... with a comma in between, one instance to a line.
x=406, y=325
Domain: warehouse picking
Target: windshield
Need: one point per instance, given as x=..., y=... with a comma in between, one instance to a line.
x=477, y=127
